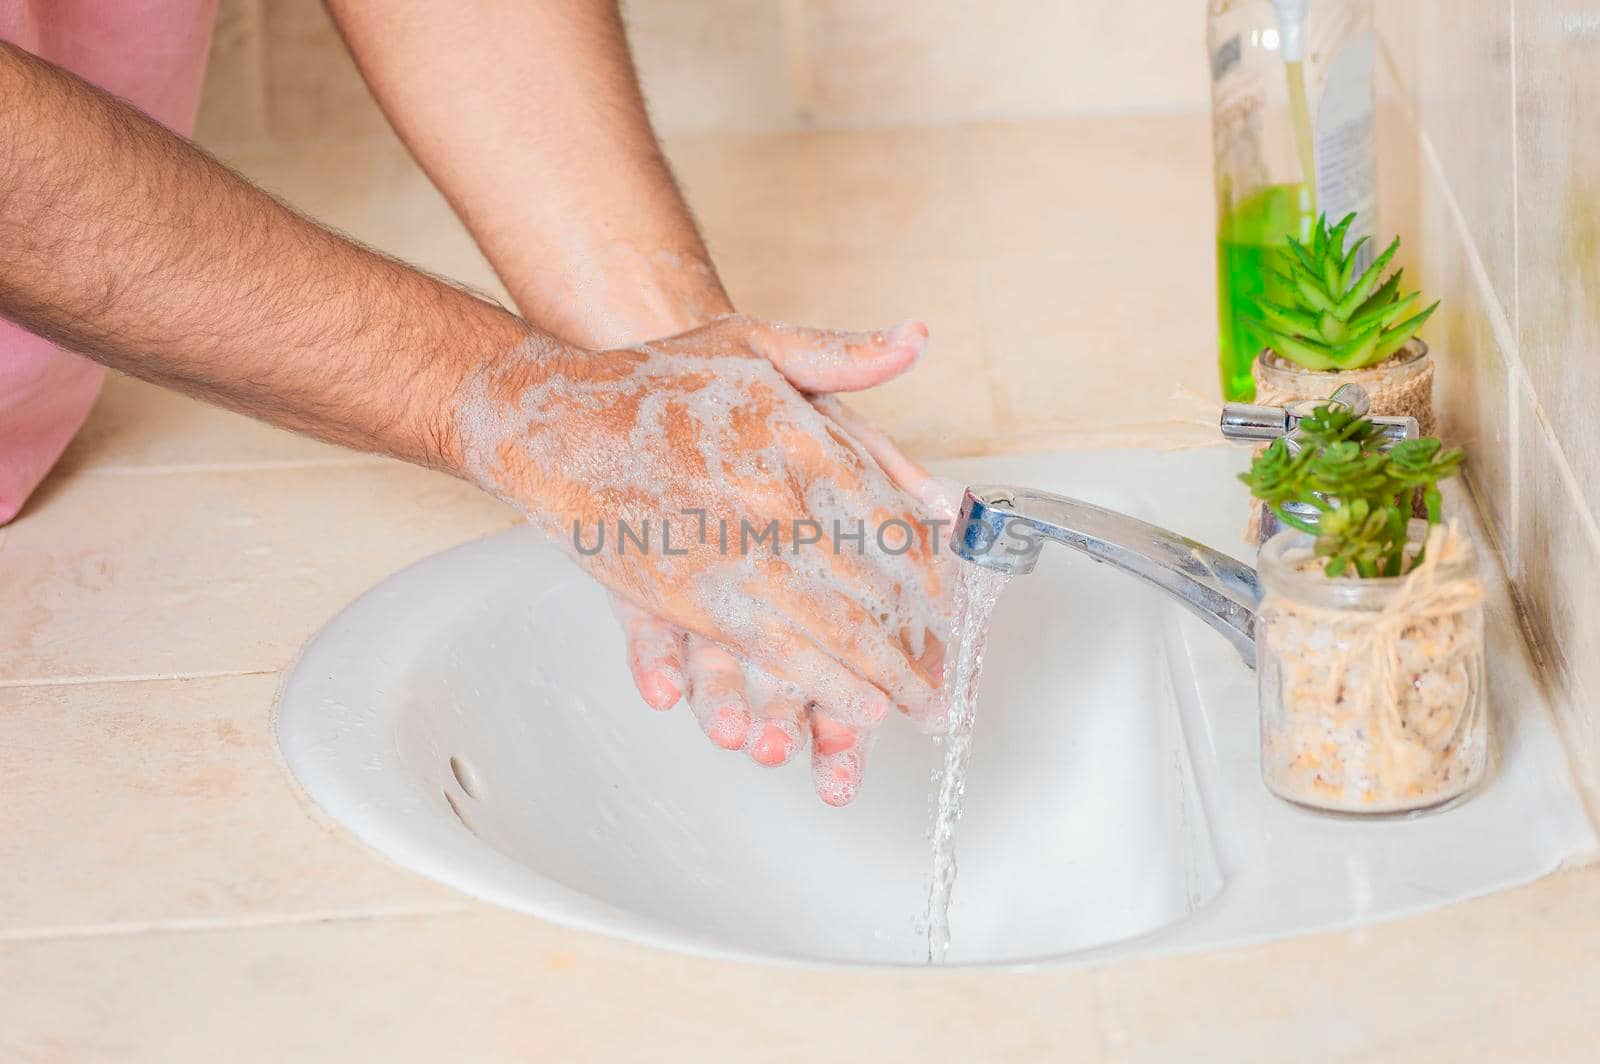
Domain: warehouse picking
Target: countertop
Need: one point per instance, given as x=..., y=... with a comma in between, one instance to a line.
x=166, y=894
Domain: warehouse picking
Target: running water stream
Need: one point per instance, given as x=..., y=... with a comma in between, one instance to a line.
x=975, y=598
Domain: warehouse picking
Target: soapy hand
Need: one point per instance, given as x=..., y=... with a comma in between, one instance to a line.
x=738, y=705
x=767, y=562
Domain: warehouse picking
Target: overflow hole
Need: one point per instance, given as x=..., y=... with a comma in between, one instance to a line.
x=464, y=776
x=450, y=800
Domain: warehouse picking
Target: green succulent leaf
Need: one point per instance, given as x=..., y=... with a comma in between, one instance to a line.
x=1396, y=338
x=1330, y=424
x=1337, y=235
x=1278, y=475
x=1327, y=319
x=1346, y=468
x=1382, y=316
x=1311, y=354
x=1310, y=289
x=1386, y=293
x=1304, y=257
x=1418, y=463
x=1287, y=319
x=1347, y=268
x=1332, y=329
x=1367, y=283
x=1356, y=351
x=1362, y=489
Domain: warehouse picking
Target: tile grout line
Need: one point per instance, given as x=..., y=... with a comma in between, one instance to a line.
x=154, y=677
x=1587, y=520
x=130, y=929
x=1516, y=182
x=266, y=465
x=1499, y=325
x=1514, y=326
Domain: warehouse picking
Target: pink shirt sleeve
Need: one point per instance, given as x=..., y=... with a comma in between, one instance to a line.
x=152, y=53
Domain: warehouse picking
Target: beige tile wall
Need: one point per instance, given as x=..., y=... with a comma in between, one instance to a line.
x=952, y=60
x=1491, y=134
x=279, y=70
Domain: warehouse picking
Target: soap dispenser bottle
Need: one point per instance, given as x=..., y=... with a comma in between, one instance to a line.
x=1293, y=137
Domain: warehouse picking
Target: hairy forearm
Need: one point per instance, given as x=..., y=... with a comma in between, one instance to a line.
x=529, y=118
x=123, y=242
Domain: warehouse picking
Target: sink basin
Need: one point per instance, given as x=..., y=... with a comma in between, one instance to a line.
x=471, y=718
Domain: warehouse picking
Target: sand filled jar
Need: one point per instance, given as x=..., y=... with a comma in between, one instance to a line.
x=1401, y=386
x=1372, y=689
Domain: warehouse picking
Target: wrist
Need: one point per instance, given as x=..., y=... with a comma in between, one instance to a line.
x=483, y=367
x=633, y=298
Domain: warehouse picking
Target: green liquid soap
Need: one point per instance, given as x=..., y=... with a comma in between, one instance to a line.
x=1250, y=239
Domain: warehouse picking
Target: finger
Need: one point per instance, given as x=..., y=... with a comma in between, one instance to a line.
x=838, y=756
x=716, y=693
x=780, y=721
x=787, y=627
x=909, y=476
x=893, y=577
x=845, y=658
x=655, y=654
x=805, y=665
x=824, y=360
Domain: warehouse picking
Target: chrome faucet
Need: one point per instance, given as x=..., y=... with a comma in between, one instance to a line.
x=1248, y=423
x=1004, y=529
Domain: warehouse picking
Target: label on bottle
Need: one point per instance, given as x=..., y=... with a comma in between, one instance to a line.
x=1225, y=57
x=1346, y=138
x=1237, y=98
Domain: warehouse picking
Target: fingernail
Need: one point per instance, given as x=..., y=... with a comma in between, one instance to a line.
x=730, y=728
x=773, y=747
x=909, y=331
x=837, y=778
x=661, y=690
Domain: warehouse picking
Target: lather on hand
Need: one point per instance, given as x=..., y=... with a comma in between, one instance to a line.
x=712, y=424
x=604, y=256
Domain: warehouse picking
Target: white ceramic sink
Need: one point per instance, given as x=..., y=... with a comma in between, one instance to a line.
x=472, y=719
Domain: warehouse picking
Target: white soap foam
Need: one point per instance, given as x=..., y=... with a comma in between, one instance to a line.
x=704, y=421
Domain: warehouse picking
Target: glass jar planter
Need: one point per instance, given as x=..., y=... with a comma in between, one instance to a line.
x=1371, y=690
x=1401, y=386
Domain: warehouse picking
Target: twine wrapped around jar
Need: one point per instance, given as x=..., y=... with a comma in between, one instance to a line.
x=1422, y=597
x=1400, y=387
x=1400, y=675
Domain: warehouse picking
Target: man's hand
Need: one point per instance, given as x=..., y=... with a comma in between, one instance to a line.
x=738, y=705
x=705, y=435
x=555, y=170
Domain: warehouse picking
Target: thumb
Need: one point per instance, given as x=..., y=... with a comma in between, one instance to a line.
x=907, y=474
x=828, y=360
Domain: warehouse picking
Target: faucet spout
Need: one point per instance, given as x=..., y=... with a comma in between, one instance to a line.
x=1005, y=528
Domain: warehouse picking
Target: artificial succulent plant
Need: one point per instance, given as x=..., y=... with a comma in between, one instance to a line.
x=1334, y=319
x=1362, y=492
